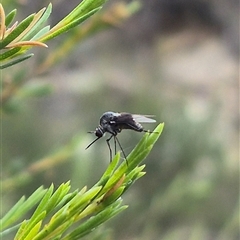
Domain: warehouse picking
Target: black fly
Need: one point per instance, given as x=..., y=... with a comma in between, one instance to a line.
x=114, y=123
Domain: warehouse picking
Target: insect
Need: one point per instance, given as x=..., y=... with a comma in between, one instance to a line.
x=114, y=123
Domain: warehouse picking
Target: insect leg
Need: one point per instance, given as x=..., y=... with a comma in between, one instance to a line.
x=115, y=145
x=110, y=150
x=121, y=149
x=148, y=131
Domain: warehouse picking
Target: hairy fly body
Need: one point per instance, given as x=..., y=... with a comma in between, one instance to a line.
x=114, y=123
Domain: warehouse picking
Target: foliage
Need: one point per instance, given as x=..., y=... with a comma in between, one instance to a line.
x=62, y=214
x=31, y=32
x=190, y=189
x=16, y=39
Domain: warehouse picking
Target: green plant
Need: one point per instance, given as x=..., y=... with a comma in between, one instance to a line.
x=32, y=32
x=16, y=39
x=62, y=214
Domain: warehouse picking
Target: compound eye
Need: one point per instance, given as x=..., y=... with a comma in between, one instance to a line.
x=98, y=132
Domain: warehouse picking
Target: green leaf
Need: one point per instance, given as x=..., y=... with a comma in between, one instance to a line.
x=21, y=230
x=34, y=30
x=139, y=175
x=146, y=143
x=68, y=198
x=110, y=170
x=8, y=218
x=9, y=18
x=57, y=196
x=40, y=212
x=41, y=33
x=9, y=230
x=83, y=9
x=54, y=224
x=79, y=20
x=26, y=230
x=57, y=30
x=9, y=53
x=17, y=31
x=134, y=173
x=56, y=234
x=138, y=149
x=16, y=61
x=35, y=229
x=114, y=196
x=21, y=207
x=112, y=166
x=95, y=221
x=139, y=157
x=156, y=134
x=78, y=203
x=42, y=205
x=112, y=181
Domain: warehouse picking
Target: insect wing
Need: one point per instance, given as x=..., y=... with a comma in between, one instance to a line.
x=126, y=121
x=123, y=118
x=132, y=121
x=143, y=118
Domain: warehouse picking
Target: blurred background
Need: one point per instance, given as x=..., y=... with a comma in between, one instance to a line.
x=177, y=60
